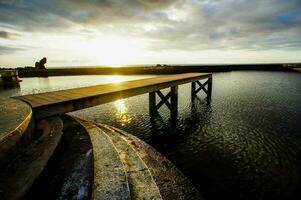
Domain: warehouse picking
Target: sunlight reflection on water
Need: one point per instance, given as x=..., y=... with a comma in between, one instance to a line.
x=122, y=114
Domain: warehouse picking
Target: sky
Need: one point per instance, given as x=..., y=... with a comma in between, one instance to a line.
x=132, y=32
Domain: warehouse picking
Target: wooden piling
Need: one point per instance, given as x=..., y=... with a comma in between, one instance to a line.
x=174, y=102
x=193, y=86
x=209, y=89
x=152, y=103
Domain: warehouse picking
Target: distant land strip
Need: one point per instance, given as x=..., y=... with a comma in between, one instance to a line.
x=158, y=69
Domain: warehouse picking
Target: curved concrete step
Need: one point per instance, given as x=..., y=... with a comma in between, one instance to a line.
x=171, y=182
x=142, y=184
x=110, y=180
x=19, y=175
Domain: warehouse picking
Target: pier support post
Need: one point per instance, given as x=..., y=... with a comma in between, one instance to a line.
x=207, y=90
x=152, y=103
x=193, y=86
x=172, y=104
x=209, y=94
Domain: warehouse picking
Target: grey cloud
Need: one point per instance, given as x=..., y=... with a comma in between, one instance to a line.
x=5, y=50
x=210, y=24
x=7, y=35
x=35, y=15
x=4, y=34
x=31, y=16
x=113, y=12
x=234, y=25
x=17, y=3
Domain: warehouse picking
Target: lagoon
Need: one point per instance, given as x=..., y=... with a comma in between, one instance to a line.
x=245, y=144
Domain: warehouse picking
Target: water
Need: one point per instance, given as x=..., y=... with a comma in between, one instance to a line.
x=38, y=85
x=245, y=144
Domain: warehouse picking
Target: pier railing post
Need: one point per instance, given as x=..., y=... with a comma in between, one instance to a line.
x=174, y=102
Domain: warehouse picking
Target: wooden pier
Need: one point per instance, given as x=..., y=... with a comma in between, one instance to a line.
x=64, y=101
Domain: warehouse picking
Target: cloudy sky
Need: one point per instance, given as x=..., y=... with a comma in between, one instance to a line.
x=116, y=32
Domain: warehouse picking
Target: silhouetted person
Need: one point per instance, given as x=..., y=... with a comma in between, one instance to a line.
x=41, y=64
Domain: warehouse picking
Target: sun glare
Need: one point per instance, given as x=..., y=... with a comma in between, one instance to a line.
x=116, y=79
x=112, y=50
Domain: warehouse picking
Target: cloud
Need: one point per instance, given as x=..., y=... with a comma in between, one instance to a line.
x=5, y=50
x=35, y=15
x=4, y=34
x=7, y=35
x=229, y=24
x=31, y=16
x=183, y=25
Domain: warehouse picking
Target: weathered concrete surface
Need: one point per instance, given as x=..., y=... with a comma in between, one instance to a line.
x=69, y=172
x=127, y=168
x=19, y=175
x=110, y=180
x=142, y=184
x=15, y=118
x=171, y=182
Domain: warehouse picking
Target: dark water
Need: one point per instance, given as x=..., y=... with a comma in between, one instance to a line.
x=245, y=144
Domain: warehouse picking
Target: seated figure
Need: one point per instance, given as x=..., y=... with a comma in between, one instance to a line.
x=41, y=64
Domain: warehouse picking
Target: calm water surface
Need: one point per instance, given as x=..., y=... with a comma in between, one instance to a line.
x=245, y=144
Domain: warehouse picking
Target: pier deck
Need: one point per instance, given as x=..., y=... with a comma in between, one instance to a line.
x=64, y=101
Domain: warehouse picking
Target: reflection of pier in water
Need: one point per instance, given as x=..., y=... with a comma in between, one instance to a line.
x=200, y=112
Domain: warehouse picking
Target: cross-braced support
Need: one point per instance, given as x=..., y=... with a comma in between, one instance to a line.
x=172, y=104
x=207, y=90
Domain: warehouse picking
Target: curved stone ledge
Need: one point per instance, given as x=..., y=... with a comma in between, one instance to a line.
x=19, y=175
x=16, y=125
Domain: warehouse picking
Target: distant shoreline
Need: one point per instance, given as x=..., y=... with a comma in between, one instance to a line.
x=159, y=69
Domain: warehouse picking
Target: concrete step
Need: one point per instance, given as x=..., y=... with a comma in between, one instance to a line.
x=171, y=182
x=19, y=175
x=69, y=172
x=141, y=182
x=110, y=179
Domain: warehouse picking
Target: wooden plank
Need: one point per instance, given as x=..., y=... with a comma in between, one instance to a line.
x=60, y=102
